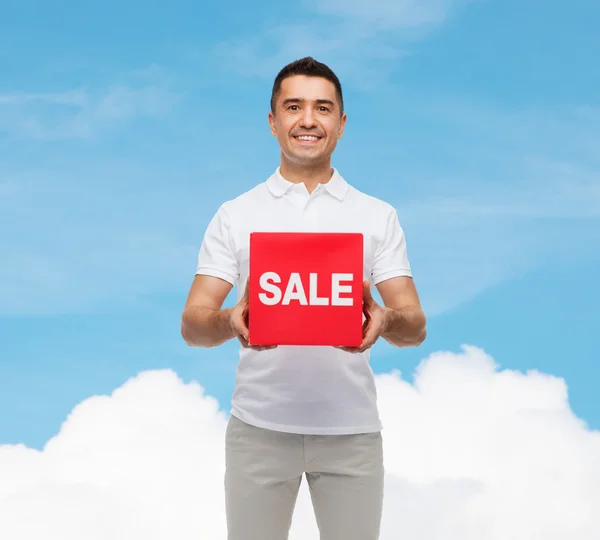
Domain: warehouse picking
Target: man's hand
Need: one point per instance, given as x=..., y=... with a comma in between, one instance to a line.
x=375, y=323
x=239, y=322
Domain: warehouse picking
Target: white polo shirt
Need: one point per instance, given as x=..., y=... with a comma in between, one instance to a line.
x=305, y=390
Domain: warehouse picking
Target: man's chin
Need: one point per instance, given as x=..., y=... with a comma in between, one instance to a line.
x=309, y=156
x=311, y=161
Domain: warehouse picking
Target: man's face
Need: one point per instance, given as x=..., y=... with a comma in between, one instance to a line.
x=307, y=120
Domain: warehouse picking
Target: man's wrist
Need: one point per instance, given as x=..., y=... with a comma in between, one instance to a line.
x=389, y=320
x=225, y=315
x=404, y=326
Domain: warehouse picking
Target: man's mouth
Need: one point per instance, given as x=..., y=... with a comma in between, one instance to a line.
x=307, y=138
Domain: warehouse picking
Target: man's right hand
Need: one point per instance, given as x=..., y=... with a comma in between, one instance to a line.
x=239, y=322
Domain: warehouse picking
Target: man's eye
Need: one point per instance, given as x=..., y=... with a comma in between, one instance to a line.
x=324, y=108
x=293, y=107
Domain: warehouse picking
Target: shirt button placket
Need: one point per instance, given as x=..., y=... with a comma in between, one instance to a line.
x=311, y=218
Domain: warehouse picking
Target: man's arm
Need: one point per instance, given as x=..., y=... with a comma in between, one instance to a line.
x=400, y=322
x=405, y=322
x=203, y=322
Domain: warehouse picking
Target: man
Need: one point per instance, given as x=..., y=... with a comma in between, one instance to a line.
x=304, y=411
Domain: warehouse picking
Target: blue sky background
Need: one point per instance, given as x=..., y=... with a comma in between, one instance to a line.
x=123, y=126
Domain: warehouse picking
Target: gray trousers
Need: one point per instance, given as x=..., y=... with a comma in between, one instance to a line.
x=263, y=471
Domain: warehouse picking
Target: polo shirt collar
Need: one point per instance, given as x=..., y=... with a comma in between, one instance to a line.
x=279, y=186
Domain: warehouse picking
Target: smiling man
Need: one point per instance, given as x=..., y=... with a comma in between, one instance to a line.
x=304, y=411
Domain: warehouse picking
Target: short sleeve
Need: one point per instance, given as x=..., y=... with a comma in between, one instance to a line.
x=391, y=258
x=217, y=255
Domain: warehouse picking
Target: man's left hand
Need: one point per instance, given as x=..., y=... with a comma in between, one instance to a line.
x=375, y=322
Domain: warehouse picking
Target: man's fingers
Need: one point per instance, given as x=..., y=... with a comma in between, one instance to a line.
x=352, y=350
x=369, y=338
x=241, y=320
x=368, y=335
x=371, y=334
x=247, y=345
x=238, y=323
x=243, y=341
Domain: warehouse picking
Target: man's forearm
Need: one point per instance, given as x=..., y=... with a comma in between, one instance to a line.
x=405, y=327
x=205, y=327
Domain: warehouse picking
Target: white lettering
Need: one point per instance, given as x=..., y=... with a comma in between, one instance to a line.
x=294, y=291
x=270, y=287
x=337, y=289
x=314, y=291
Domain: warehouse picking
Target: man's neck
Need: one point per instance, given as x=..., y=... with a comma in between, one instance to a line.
x=311, y=176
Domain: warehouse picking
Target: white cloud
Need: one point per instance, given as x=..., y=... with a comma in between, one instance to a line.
x=389, y=13
x=472, y=452
x=77, y=98
x=346, y=46
x=79, y=277
x=524, y=194
x=481, y=239
x=84, y=112
x=85, y=236
x=362, y=39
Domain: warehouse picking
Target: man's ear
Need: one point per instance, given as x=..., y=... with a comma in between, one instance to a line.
x=342, y=126
x=271, y=118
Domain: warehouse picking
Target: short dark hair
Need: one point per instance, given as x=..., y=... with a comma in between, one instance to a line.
x=311, y=68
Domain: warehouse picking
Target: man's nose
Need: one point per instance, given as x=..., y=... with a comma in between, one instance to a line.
x=308, y=119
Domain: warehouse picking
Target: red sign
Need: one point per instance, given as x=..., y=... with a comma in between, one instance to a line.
x=306, y=289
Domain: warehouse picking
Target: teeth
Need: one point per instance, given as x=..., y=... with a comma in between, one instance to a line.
x=307, y=138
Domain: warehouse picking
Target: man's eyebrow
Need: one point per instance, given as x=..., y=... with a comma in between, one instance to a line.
x=288, y=101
